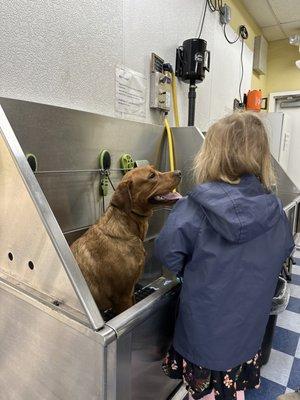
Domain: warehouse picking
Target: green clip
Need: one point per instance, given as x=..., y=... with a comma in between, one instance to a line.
x=104, y=164
x=104, y=186
x=126, y=163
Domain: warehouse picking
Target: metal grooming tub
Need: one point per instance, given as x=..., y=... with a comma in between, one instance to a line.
x=54, y=342
x=55, y=345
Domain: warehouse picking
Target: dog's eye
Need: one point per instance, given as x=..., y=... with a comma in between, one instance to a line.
x=152, y=175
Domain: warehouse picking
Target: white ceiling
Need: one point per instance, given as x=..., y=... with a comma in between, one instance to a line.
x=278, y=19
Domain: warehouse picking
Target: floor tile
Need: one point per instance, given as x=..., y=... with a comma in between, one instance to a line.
x=298, y=350
x=294, y=305
x=268, y=391
x=294, y=381
x=296, y=270
x=285, y=341
x=296, y=279
x=296, y=255
x=278, y=368
x=295, y=291
x=289, y=320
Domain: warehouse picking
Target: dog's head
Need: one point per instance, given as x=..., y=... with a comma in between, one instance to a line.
x=143, y=188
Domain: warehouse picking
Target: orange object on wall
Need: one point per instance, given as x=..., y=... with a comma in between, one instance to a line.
x=254, y=100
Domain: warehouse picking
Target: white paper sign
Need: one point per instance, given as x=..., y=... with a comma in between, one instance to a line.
x=130, y=92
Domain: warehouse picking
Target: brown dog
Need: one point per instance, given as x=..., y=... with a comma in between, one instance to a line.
x=111, y=254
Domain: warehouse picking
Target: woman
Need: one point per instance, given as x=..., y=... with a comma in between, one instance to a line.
x=228, y=240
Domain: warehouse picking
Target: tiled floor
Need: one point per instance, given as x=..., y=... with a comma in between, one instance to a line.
x=282, y=373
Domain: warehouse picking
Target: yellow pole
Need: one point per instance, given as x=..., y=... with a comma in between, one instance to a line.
x=175, y=104
x=170, y=145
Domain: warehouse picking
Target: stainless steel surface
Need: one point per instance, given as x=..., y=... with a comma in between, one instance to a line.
x=16, y=287
x=68, y=143
x=51, y=352
x=297, y=240
x=187, y=142
x=180, y=394
x=291, y=212
x=297, y=224
x=30, y=233
x=64, y=139
x=139, y=312
x=287, y=191
x=43, y=357
x=138, y=373
x=289, y=194
x=64, y=360
x=124, y=359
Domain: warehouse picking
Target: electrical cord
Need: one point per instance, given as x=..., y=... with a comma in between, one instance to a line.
x=213, y=7
x=226, y=37
x=103, y=204
x=203, y=19
x=216, y=5
x=242, y=73
x=111, y=184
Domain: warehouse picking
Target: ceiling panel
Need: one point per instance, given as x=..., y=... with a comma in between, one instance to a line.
x=261, y=12
x=286, y=10
x=291, y=28
x=273, y=33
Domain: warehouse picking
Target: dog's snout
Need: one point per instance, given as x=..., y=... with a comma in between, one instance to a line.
x=177, y=173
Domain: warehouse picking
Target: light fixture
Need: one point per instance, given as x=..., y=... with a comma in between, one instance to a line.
x=294, y=40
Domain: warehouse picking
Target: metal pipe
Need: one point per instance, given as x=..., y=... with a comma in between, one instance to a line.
x=72, y=171
x=192, y=104
x=76, y=229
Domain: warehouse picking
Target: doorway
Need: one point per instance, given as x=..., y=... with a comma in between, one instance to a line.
x=289, y=104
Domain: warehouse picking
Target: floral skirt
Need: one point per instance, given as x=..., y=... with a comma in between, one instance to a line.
x=201, y=381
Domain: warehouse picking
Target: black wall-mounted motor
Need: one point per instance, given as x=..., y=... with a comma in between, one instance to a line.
x=192, y=60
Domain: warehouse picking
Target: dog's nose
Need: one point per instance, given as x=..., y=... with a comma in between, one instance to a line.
x=177, y=173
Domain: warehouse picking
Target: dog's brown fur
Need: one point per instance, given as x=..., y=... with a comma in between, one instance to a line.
x=111, y=254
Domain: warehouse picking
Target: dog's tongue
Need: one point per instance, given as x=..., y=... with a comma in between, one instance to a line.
x=169, y=197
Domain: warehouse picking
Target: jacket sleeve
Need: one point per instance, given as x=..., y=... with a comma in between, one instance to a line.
x=175, y=243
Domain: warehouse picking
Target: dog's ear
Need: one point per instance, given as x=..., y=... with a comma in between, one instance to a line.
x=122, y=197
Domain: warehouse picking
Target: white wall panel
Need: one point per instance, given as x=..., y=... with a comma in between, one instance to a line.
x=61, y=52
x=65, y=52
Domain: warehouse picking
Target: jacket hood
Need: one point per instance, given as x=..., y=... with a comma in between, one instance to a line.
x=238, y=212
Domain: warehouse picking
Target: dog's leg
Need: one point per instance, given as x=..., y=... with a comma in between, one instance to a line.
x=133, y=299
x=123, y=304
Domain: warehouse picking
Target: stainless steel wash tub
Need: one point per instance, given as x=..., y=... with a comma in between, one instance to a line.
x=54, y=342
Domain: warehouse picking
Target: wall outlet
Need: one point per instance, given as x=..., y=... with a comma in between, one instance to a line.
x=237, y=105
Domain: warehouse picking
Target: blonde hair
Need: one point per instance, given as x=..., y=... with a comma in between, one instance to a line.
x=234, y=146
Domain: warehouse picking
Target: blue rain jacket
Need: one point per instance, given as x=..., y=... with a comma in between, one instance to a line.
x=229, y=242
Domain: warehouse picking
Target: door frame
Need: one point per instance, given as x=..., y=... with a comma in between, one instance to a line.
x=275, y=95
